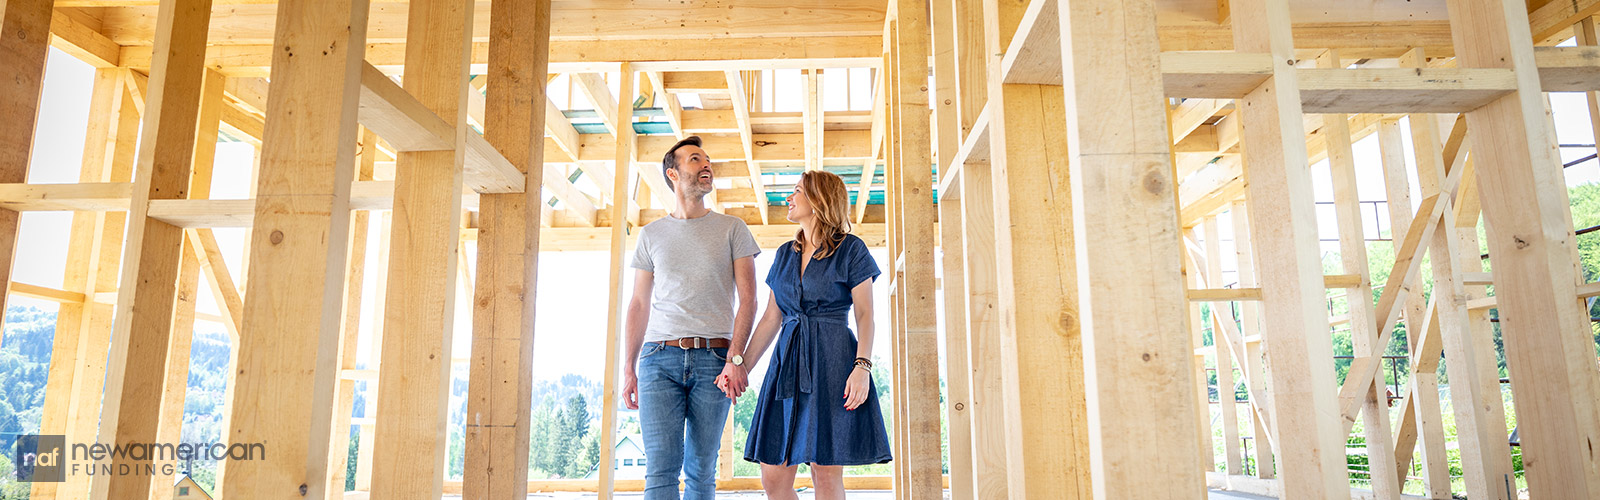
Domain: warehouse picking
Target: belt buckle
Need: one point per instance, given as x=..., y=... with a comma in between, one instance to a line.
x=693, y=345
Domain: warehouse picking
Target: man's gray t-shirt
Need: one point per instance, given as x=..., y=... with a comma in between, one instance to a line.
x=692, y=260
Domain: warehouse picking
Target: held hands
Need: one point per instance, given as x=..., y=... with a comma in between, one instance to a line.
x=855, y=389
x=733, y=381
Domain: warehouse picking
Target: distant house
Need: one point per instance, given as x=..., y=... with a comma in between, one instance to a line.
x=627, y=459
x=186, y=489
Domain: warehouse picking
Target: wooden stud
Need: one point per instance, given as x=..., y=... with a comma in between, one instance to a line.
x=350, y=337
x=958, y=399
x=1233, y=458
x=136, y=374
x=500, y=381
x=419, y=320
x=1254, y=362
x=1202, y=390
x=1363, y=330
x=983, y=331
x=289, y=338
x=364, y=449
x=1280, y=192
x=921, y=355
x=619, y=191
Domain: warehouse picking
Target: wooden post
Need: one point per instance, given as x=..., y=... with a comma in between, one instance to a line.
x=1548, y=343
x=364, y=449
x=1254, y=361
x=1303, y=389
x=1233, y=460
x=1381, y=466
x=289, y=340
x=983, y=331
x=1111, y=66
x=177, y=369
x=136, y=373
x=1195, y=324
x=623, y=157
x=500, y=384
x=24, y=37
x=414, y=385
x=83, y=330
x=350, y=337
x=1047, y=427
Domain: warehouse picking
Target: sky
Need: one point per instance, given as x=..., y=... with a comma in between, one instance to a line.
x=570, y=316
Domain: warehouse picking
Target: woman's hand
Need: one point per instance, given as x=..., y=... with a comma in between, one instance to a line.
x=855, y=389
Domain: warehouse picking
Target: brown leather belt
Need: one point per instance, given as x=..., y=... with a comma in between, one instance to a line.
x=695, y=343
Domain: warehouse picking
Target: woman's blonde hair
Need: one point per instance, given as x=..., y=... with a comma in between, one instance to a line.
x=830, y=204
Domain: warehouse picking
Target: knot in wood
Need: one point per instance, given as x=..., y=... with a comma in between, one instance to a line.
x=960, y=406
x=1145, y=356
x=303, y=489
x=276, y=237
x=1154, y=183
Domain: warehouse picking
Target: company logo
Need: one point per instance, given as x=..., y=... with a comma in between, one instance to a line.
x=47, y=458
x=41, y=458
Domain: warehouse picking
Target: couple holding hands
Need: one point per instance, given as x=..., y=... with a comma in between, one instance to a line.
x=690, y=345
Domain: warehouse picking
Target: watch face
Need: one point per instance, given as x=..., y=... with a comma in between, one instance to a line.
x=738, y=360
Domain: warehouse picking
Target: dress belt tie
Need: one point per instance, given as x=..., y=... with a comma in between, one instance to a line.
x=794, y=376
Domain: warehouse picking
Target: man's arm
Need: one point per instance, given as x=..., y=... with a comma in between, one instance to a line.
x=638, y=319
x=744, y=280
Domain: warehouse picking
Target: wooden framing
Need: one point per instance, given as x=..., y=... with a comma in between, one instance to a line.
x=1528, y=222
x=419, y=320
x=143, y=338
x=1281, y=197
x=1382, y=471
x=500, y=380
x=23, y=39
x=1045, y=302
x=291, y=326
x=619, y=191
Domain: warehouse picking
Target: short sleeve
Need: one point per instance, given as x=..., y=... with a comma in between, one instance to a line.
x=741, y=242
x=641, y=253
x=778, y=264
x=861, y=265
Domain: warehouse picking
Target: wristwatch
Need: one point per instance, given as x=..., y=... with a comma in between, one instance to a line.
x=737, y=360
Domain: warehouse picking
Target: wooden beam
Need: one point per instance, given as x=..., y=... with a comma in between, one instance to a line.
x=958, y=402
x=291, y=327
x=1254, y=361
x=623, y=113
x=1363, y=332
x=594, y=87
x=143, y=339
x=418, y=321
x=920, y=336
x=1279, y=187
x=251, y=24
x=349, y=336
x=407, y=124
x=674, y=109
x=82, y=41
x=741, y=113
x=1227, y=405
x=1546, y=333
x=500, y=378
x=869, y=168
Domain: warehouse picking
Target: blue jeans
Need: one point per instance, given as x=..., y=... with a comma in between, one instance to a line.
x=681, y=414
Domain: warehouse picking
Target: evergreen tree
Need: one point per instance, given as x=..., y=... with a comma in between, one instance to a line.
x=574, y=427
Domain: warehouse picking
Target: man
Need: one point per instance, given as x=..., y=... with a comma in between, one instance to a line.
x=683, y=332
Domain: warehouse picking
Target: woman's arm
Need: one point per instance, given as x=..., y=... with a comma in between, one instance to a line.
x=859, y=384
x=765, y=332
x=861, y=297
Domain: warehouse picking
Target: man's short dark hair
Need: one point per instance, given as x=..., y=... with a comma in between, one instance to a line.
x=670, y=160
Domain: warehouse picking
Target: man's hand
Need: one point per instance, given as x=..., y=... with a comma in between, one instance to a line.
x=630, y=389
x=734, y=380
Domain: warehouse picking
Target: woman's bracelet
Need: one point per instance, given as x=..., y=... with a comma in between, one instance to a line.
x=864, y=363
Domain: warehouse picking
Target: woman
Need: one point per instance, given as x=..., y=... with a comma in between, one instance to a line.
x=815, y=280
